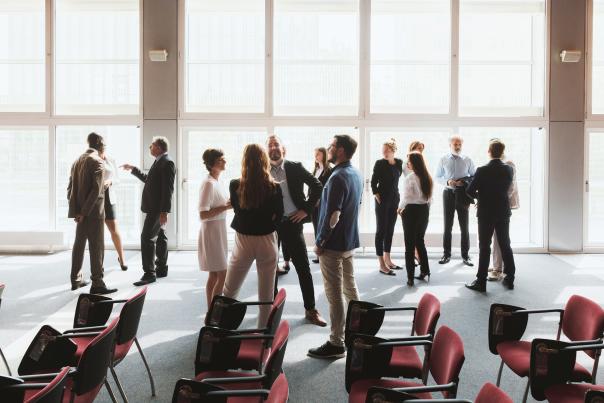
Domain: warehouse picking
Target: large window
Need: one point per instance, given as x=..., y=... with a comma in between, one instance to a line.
x=224, y=53
x=595, y=195
x=410, y=56
x=97, y=57
x=123, y=145
x=316, y=57
x=502, y=58
x=22, y=54
x=597, y=58
x=24, y=179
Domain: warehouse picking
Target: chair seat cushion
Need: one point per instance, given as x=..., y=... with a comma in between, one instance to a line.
x=570, y=393
x=230, y=374
x=121, y=350
x=251, y=354
x=517, y=356
x=359, y=389
x=405, y=362
x=82, y=343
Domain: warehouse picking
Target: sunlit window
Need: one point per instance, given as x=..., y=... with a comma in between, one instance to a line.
x=597, y=75
x=595, y=214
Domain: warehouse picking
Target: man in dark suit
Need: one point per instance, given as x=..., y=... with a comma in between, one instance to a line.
x=297, y=210
x=490, y=185
x=157, y=204
x=86, y=195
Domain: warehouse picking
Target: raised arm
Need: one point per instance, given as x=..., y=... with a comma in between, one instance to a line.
x=314, y=189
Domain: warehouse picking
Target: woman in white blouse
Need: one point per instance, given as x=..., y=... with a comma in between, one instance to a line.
x=112, y=179
x=212, y=243
x=415, y=210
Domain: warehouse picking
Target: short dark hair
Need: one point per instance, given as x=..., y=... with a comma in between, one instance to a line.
x=96, y=142
x=347, y=143
x=496, y=148
x=161, y=142
x=210, y=156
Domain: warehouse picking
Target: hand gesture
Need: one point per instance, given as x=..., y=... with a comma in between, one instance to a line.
x=127, y=167
x=298, y=216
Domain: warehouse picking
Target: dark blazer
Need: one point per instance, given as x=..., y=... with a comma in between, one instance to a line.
x=490, y=186
x=258, y=221
x=297, y=176
x=382, y=181
x=324, y=175
x=159, y=186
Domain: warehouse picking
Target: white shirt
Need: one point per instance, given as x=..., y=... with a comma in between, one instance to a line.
x=211, y=195
x=319, y=171
x=278, y=174
x=112, y=174
x=412, y=191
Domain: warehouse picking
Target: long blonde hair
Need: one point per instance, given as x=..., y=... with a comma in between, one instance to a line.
x=256, y=182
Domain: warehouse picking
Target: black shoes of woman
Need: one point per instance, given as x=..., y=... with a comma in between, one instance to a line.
x=422, y=276
x=122, y=265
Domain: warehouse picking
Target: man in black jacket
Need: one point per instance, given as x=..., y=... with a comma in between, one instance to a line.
x=297, y=210
x=157, y=204
x=490, y=185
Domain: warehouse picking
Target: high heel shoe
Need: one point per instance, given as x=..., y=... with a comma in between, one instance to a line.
x=422, y=277
x=410, y=282
x=123, y=266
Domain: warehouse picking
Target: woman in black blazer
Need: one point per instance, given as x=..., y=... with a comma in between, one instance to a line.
x=384, y=185
x=321, y=171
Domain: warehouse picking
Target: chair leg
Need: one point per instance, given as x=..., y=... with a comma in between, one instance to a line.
x=111, y=395
x=140, y=350
x=526, y=390
x=5, y=362
x=119, y=385
x=499, y=373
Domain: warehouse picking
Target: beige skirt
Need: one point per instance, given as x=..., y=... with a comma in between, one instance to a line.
x=212, y=247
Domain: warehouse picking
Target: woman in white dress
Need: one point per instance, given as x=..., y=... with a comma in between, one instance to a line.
x=212, y=243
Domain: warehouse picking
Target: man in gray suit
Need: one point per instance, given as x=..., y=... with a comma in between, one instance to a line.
x=86, y=195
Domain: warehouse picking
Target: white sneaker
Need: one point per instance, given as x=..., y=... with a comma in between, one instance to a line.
x=495, y=275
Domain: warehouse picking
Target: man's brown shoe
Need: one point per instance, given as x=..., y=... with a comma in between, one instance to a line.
x=314, y=317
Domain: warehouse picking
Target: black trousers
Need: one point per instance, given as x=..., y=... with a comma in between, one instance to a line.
x=486, y=227
x=283, y=246
x=415, y=223
x=154, y=243
x=450, y=207
x=290, y=234
x=385, y=218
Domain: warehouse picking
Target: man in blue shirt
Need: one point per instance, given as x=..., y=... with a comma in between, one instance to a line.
x=455, y=171
x=337, y=237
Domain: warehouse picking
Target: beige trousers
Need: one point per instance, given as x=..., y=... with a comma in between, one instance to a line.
x=338, y=278
x=497, y=259
x=262, y=249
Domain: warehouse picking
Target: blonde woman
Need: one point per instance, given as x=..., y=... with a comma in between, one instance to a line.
x=258, y=205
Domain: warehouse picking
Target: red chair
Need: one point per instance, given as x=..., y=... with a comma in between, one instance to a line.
x=2, y=286
x=366, y=318
x=97, y=312
x=189, y=391
x=489, y=393
x=253, y=351
x=552, y=366
x=264, y=379
x=368, y=354
x=581, y=319
x=17, y=390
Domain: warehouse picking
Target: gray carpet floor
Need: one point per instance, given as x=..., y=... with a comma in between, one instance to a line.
x=38, y=293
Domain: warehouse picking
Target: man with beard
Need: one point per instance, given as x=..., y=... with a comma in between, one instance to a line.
x=297, y=210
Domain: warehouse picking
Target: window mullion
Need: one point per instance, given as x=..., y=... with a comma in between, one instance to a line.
x=268, y=57
x=364, y=58
x=454, y=93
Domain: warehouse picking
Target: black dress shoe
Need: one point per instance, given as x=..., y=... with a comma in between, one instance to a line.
x=315, y=261
x=146, y=279
x=468, y=261
x=75, y=286
x=444, y=260
x=161, y=272
x=422, y=276
x=102, y=290
x=477, y=285
x=507, y=283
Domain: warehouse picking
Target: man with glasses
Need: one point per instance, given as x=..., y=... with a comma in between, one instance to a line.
x=337, y=238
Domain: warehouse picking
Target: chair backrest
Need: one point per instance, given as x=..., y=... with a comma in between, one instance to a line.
x=274, y=316
x=53, y=392
x=274, y=361
x=427, y=314
x=279, y=391
x=96, y=358
x=594, y=396
x=447, y=357
x=550, y=365
x=130, y=317
x=490, y=393
x=90, y=311
x=583, y=320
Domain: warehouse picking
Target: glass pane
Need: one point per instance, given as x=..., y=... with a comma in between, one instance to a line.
x=24, y=179
x=502, y=70
x=595, y=225
x=224, y=65
x=597, y=84
x=316, y=63
x=97, y=57
x=123, y=145
x=410, y=56
x=22, y=54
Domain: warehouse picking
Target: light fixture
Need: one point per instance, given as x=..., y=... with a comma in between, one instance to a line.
x=158, y=55
x=570, y=56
